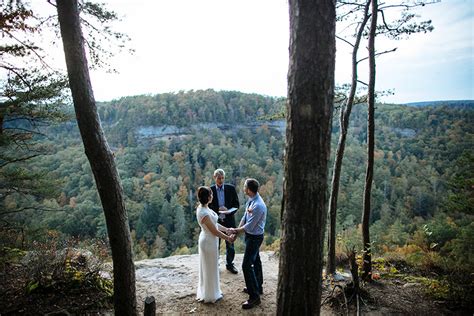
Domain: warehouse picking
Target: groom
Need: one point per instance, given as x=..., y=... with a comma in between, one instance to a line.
x=225, y=197
x=253, y=224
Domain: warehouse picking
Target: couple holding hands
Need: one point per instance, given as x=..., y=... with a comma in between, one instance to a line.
x=215, y=215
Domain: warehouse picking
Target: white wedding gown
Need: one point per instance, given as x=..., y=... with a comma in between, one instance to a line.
x=209, y=289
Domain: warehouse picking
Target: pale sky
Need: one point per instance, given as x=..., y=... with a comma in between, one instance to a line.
x=243, y=45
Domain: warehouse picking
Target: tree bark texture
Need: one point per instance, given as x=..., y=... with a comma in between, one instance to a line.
x=100, y=158
x=308, y=135
x=344, y=124
x=369, y=175
x=1, y=123
x=354, y=268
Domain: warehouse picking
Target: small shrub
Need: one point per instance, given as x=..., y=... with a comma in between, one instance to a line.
x=10, y=255
x=51, y=269
x=183, y=250
x=271, y=244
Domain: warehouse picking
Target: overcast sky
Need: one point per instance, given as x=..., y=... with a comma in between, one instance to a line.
x=243, y=45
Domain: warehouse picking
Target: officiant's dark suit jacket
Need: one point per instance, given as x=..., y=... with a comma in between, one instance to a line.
x=231, y=200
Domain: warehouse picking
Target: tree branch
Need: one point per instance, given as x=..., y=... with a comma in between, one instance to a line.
x=381, y=53
x=409, y=6
x=16, y=72
x=18, y=160
x=24, y=130
x=352, y=3
x=344, y=40
x=31, y=48
x=33, y=208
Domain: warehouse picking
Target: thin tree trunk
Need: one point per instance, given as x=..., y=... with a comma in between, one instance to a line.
x=308, y=135
x=100, y=158
x=344, y=123
x=367, y=256
x=354, y=268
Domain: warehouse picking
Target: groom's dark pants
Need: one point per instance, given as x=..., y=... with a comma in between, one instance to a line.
x=252, y=266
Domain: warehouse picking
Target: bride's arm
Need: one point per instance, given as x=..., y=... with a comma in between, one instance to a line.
x=222, y=228
x=212, y=228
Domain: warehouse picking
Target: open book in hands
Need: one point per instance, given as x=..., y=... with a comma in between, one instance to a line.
x=229, y=211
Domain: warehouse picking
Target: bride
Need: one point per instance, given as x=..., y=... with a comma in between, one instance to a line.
x=209, y=289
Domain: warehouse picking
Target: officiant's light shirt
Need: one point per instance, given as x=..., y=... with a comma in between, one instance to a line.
x=220, y=195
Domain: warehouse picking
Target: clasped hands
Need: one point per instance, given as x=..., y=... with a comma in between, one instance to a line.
x=232, y=233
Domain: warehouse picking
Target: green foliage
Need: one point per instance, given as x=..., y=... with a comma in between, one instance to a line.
x=384, y=267
x=415, y=265
x=10, y=255
x=33, y=95
x=184, y=109
x=31, y=286
x=160, y=173
x=461, y=185
x=54, y=268
x=445, y=289
x=181, y=251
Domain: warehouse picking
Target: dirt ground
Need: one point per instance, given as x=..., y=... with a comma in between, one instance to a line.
x=172, y=281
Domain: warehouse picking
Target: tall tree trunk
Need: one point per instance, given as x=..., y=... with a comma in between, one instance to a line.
x=100, y=158
x=308, y=136
x=369, y=175
x=336, y=173
x=1, y=123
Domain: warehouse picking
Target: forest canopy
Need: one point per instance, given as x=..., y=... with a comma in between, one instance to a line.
x=167, y=145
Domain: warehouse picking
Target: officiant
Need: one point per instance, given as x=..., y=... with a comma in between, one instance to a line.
x=225, y=204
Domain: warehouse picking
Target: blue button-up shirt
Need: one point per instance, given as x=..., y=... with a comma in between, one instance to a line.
x=254, y=223
x=220, y=195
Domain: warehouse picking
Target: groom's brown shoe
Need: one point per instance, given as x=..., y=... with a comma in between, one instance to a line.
x=251, y=303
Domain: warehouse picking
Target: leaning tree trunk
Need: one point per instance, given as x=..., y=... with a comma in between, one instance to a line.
x=344, y=123
x=100, y=158
x=308, y=135
x=369, y=175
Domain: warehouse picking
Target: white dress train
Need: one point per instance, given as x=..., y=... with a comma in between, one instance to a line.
x=209, y=289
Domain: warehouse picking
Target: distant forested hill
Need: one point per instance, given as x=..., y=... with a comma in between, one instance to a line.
x=457, y=103
x=183, y=109
x=191, y=107
x=167, y=145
